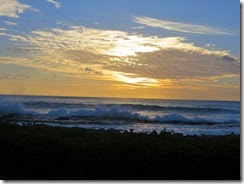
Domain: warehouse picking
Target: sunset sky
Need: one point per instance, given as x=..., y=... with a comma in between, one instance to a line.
x=168, y=49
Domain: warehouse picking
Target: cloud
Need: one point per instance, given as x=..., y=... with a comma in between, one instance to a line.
x=138, y=27
x=56, y=4
x=14, y=77
x=88, y=69
x=210, y=45
x=179, y=65
x=109, y=42
x=12, y=8
x=228, y=58
x=112, y=55
x=181, y=27
x=8, y=23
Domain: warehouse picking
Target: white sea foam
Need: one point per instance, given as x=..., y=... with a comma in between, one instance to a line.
x=173, y=112
x=105, y=111
x=7, y=108
x=100, y=111
x=116, y=111
x=180, y=118
x=189, y=117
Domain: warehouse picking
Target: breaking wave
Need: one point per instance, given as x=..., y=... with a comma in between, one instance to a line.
x=122, y=113
x=108, y=111
x=99, y=111
x=14, y=108
x=176, y=108
x=138, y=107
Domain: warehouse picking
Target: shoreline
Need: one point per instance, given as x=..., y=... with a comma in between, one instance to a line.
x=144, y=126
x=33, y=152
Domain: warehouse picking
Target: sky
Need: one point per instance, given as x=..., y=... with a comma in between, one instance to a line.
x=163, y=49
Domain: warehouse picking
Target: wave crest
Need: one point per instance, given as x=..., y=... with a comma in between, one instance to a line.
x=99, y=111
x=109, y=111
x=14, y=108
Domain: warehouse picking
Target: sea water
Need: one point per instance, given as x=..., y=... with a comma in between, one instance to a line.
x=189, y=117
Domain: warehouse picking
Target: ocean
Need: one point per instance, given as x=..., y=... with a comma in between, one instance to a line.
x=189, y=117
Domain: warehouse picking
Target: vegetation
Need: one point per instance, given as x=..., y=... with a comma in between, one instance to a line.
x=44, y=152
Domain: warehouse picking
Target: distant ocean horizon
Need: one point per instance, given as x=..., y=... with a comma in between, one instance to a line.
x=119, y=97
x=190, y=117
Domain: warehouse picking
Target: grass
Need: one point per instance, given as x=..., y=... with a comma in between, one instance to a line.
x=34, y=152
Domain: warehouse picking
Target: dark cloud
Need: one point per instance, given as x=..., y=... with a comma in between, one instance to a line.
x=88, y=69
x=228, y=58
x=13, y=77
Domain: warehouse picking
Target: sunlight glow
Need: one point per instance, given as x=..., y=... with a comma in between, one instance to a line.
x=130, y=45
x=135, y=80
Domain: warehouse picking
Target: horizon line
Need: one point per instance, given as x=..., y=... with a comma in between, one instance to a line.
x=144, y=98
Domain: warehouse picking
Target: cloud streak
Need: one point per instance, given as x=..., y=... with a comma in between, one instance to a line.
x=180, y=27
x=12, y=8
x=8, y=23
x=56, y=4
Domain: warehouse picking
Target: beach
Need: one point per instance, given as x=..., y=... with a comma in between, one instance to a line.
x=32, y=152
x=71, y=138
x=120, y=90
